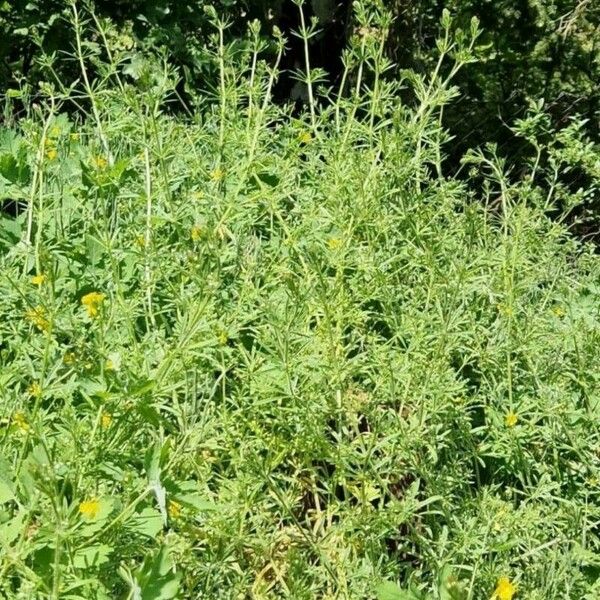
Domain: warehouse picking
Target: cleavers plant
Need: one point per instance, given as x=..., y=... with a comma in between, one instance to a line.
x=252, y=353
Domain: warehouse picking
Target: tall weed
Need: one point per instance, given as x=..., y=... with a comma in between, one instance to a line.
x=255, y=354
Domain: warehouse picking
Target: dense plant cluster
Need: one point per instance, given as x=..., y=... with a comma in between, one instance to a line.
x=251, y=352
x=528, y=50
x=37, y=39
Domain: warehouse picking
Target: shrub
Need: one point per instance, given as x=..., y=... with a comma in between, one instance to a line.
x=249, y=353
x=529, y=50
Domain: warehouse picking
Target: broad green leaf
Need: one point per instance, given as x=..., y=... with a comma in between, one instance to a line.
x=449, y=587
x=11, y=530
x=11, y=230
x=388, y=590
x=7, y=488
x=92, y=556
x=135, y=66
x=94, y=248
x=187, y=493
x=156, y=579
x=148, y=522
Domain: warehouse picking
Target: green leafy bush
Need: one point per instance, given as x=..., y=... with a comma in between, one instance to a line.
x=529, y=50
x=37, y=37
x=252, y=354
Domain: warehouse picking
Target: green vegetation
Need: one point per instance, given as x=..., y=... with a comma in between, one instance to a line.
x=529, y=49
x=251, y=352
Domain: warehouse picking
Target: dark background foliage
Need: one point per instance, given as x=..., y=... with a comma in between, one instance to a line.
x=530, y=49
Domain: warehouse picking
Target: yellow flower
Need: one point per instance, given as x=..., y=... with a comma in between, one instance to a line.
x=99, y=162
x=35, y=390
x=89, y=508
x=174, y=509
x=74, y=137
x=558, y=311
x=38, y=279
x=510, y=420
x=55, y=131
x=305, y=137
x=196, y=233
x=505, y=310
x=51, y=153
x=505, y=590
x=113, y=362
x=92, y=303
x=69, y=358
x=20, y=420
x=37, y=316
x=105, y=420
x=222, y=337
x=334, y=243
x=217, y=174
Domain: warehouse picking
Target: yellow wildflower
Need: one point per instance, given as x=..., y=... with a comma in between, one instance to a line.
x=174, y=509
x=505, y=590
x=196, y=233
x=217, y=174
x=89, y=508
x=35, y=390
x=51, y=153
x=55, y=131
x=38, y=279
x=69, y=358
x=558, y=311
x=222, y=337
x=38, y=317
x=99, y=162
x=334, y=243
x=305, y=137
x=510, y=420
x=92, y=303
x=105, y=420
x=113, y=362
x=20, y=420
x=74, y=137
